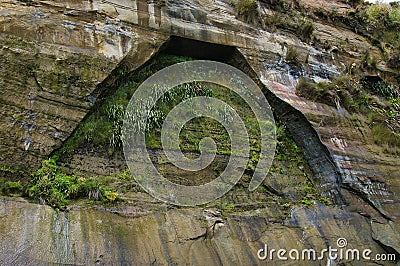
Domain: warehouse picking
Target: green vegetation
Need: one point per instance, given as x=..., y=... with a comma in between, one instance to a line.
x=350, y=92
x=383, y=89
x=102, y=128
x=297, y=24
x=52, y=187
x=305, y=31
x=278, y=5
x=319, y=92
x=247, y=10
x=292, y=55
x=343, y=91
x=382, y=22
x=368, y=61
x=354, y=3
x=377, y=100
x=283, y=17
x=312, y=195
x=227, y=207
x=387, y=138
x=246, y=7
x=286, y=148
x=382, y=14
x=11, y=187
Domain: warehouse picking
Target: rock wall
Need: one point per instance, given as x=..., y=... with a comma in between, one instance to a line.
x=37, y=235
x=58, y=57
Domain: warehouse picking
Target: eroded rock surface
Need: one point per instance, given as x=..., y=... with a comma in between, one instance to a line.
x=33, y=234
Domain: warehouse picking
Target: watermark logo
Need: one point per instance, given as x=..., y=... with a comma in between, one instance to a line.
x=146, y=97
x=340, y=253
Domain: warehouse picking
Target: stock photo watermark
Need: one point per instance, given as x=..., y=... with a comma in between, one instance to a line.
x=339, y=253
x=145, y=98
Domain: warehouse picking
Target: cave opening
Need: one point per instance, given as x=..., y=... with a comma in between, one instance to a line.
x=198, y=49
x=76, y=148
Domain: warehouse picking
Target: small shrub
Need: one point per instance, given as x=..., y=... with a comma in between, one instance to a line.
x=324, y=201
x=305, y=88
x=246, y=7
x=305, y=31
x=368, y=61
x=279, y=5
x=394, y=15
x=352, y=94
x=319, y=92
x=347, y=90
x=272, y=22
x=228, y=207
x=292, y=55
x=247, y=10
x=307, y=201
x=375, y=13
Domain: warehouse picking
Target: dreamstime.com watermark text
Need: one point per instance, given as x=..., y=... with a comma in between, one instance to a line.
x=340, y=253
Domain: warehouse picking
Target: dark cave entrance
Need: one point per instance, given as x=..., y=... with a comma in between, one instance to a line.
x=198, y=49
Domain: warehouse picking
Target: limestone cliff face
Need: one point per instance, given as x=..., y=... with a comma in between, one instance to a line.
x=58, y=57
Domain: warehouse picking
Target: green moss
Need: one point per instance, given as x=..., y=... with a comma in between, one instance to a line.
x=312, y=195
x=227, y=207
x=307, y=201
x=11, y=187
x=14, y=186
x=8, y=169
x=324, y=201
